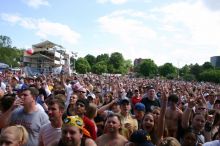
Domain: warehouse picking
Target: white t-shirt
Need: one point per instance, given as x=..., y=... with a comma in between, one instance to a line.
x=69, y=92
x=49, y=135
x=3, y=86
x=212, y=143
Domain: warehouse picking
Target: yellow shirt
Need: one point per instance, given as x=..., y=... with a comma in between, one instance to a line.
x=133, y=122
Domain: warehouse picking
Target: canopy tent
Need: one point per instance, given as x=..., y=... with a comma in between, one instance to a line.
x=46, y=44
x=3, y=65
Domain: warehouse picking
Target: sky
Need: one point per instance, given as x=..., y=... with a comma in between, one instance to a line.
x=175, y=31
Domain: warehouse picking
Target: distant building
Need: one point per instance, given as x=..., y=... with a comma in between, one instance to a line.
x=46, y=57
x=138, y=61
x=215, y=61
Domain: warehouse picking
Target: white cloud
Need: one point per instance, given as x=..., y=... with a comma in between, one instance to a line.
x=181, y=32
x=201, y=23
x=36, y=3
x=126, y=26
x=190, y=33
x=112, y=1
x=129, y=27
x=44, y=28
x=212, y=4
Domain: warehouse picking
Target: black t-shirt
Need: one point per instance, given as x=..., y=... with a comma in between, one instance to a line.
x=149, y=104
x=42, y=92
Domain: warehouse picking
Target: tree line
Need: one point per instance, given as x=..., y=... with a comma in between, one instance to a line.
x=116, y=64
x=8, y=54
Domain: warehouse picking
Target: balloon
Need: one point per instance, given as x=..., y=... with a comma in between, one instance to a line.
x=29, y=51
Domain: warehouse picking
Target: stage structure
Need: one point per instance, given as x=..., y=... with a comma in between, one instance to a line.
x=46, y=58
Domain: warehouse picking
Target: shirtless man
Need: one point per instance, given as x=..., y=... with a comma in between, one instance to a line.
x=173, y=116
x=112, y=137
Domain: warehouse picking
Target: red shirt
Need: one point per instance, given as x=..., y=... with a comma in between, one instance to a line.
x=135, y=100
x=90, y=126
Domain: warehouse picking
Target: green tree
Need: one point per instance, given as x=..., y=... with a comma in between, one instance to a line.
x=91, y=59
x=167, y=69
x=5, y=41
x=148, y=67
x=100, y=67
x=128, y=65
x=210, y=76
x=11, y=56
x=196, y=70
x=82, y=66
x=102, y=57
x=189, y=77
x=207, y=66
x=117, y=61
x=184, y=70
x=110, y=68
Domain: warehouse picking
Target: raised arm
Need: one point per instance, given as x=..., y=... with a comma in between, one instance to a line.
x=187, y=113
x=160, y=129
x=107, y=106
x=5, y=117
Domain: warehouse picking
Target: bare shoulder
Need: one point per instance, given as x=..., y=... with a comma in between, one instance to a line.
x=90, y=142
x=123, y=138
x=100, y=139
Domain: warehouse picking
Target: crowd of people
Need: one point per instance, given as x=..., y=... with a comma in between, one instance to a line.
x=107, y=110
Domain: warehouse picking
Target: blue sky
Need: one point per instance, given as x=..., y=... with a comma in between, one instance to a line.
x=176, y=31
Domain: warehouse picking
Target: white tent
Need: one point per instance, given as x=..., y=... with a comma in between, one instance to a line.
x=3, y=65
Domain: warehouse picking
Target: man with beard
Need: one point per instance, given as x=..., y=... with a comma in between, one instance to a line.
x=112, y=137
x=51, y=132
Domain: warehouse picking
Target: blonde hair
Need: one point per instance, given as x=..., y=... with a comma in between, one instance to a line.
x=169, y=141
x=19, y=132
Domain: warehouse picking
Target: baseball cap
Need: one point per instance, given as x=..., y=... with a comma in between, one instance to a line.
x=149, y=87
x=141, y=137
x=206, y=94
x=91, y=95
x=76, y=121
x=139, y=107
x=124, y=100
x=16, y=78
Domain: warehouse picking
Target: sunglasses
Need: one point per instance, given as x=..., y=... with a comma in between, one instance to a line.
x=201, y=108
x=81, y=92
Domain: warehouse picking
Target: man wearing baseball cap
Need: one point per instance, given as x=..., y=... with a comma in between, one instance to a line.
x=139, y=111
x=129, y=124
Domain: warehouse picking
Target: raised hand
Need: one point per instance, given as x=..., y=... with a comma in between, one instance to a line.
x=191, y=102
x=165, y=93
